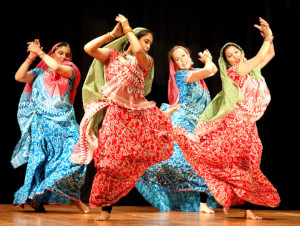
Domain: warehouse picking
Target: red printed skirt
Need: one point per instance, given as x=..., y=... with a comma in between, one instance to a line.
x=130, y=141
x=228, y=159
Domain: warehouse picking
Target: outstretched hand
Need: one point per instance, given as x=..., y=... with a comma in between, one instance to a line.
x=205, y=56
x=264, y=28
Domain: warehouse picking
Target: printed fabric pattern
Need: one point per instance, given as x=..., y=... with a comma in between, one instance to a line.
x=49, y=133
x=134, y=133
x=227, y=152
x=174, y=184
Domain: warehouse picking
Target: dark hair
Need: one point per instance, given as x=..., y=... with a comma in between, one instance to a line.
x=66, y=44
x=139, y=35
x=143, y=33
x=225, y=48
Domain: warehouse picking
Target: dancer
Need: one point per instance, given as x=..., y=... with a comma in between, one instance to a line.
x=173, y=184
x=134, y=133
x=225, y=148
x=49, y=130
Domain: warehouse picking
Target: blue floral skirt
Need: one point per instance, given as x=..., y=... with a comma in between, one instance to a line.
x=174, y=184
x=51, y=178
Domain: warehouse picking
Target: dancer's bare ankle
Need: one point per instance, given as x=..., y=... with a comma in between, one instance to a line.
x=104, y=215
x=225, y=210
x=205, y=209
x=80, y=205
x=249, y=214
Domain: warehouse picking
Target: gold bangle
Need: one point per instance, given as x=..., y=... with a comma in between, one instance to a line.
x=127, y=29
x=109, y=37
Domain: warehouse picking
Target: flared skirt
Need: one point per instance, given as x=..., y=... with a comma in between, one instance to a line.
x=130, y=141
x=228, y=159
x=51, y=178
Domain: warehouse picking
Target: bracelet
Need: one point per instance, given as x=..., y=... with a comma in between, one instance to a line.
x=109, y=37
x=29, y=60
x=127, y=29
x=40, y=53
x=269, y=38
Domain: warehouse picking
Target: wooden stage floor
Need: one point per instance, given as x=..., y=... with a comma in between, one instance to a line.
x=141, y=216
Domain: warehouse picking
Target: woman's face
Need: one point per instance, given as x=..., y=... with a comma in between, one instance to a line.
x=233, y=55
x=62, y=54
x=146, y=41
x=182, y=59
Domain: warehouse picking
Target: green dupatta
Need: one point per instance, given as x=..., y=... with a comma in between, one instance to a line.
x=225, y=101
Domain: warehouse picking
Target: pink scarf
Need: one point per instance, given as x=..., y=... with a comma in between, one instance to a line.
x=173, y=91
x=56, y=84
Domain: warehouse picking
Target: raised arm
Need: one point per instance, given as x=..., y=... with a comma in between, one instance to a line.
x=264, y=55
x=35, y=50
x=209, y=69
x=93, y=47
x=271, y=52
x=135, y=46
x=22, y=74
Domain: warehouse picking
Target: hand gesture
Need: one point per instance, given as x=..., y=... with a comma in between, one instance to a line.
x=205, y=56
x=264, y=28
x=122, y=20
x=117, y=31
x=34, y=47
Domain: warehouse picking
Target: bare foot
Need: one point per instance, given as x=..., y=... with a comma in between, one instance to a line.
x=249, y=214
x=205, y=209
x=80, y=205
x=225, y=210
x=104, y=215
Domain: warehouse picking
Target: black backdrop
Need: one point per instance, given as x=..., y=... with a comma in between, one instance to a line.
x=195, y=24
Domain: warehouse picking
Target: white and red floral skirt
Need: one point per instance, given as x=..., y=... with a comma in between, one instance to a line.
x=228, y=159
x=129, y=142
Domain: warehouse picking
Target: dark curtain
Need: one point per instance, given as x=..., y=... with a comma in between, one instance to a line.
x=197, y=25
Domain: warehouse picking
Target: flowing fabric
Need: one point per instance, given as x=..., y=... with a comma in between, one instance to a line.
x=49, y=132
x=95, y=104
x=226, y=152
x=132, y=135
x=173, y=184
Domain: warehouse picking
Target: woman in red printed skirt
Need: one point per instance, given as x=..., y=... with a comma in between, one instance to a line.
x=225, y=149
x=123, y=132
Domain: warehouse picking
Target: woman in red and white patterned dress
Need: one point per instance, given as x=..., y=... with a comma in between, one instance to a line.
x=134, y=134
x=225, y=149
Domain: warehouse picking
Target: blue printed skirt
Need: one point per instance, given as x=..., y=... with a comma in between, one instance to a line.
x=174, y=184
x=51, y=178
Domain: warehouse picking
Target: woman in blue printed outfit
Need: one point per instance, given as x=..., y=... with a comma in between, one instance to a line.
x=49, y=130
x=174, y=184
